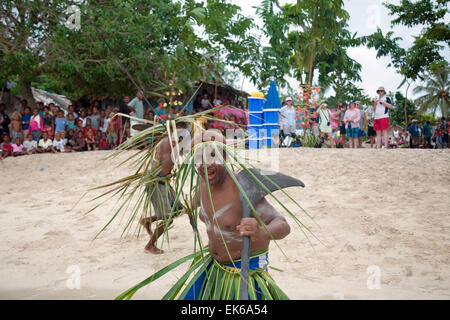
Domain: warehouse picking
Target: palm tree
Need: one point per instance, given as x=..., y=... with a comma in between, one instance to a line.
x=436, y=92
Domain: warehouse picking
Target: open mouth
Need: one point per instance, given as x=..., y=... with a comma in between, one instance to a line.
x=211, y=174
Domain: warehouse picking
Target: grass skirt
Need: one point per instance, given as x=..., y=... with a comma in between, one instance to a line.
x=207, y=279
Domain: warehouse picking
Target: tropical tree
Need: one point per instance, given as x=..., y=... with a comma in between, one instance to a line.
x=396, y=115
x=430, y=13
x=339, y=72
x=435, y=92
x=120, y=45
x=26, y=31
x=298, y=33
x=425, y=53
x=272, y=62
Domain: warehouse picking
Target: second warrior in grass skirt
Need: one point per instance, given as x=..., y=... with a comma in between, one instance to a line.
x=161, y=194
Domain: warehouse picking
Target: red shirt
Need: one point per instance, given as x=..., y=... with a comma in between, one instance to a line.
x=7, y=148
x=103, y=143
x=93, y=131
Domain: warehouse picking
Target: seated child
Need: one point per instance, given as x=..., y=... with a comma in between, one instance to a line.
x=6, y=146
x=17, y=148
x=58, y=142
x=90, y=140
x=80, y=143
x=103, y=142
x=392, y=143
x=70, y=140
x=30, y=145
x=45, y=144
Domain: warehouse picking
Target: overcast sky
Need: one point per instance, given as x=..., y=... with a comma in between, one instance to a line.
x=365, y=17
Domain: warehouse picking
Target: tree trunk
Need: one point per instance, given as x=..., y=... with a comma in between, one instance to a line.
x=25, y=92
x=338, y=89
x=313, y=46
x=405, y=105
x=311, y=61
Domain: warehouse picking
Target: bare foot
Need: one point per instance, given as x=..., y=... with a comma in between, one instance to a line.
x=152, y=249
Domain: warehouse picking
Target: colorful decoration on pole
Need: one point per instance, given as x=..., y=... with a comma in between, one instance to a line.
x=308, y=111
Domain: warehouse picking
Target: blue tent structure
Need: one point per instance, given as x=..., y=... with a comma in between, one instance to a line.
x=271, y=113
x=255, y=122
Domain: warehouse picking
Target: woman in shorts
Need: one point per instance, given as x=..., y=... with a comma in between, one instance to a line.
x=351, y=118
x=381, y=123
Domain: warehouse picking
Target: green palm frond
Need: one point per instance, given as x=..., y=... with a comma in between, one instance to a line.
x=435, y=91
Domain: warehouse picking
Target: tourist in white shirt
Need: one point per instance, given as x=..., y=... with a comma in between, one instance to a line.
x=381, y=123
x=287, y=119
x=205, y=102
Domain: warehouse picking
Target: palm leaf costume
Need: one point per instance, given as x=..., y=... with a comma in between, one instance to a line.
x=205, y=277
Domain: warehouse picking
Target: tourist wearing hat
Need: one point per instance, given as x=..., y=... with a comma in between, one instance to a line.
x=287, y=120
x=341, y=114
x=381, y=117
x=325, y=123
x=351, y=118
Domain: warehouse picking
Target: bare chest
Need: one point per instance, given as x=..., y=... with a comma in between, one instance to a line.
x=223, y=213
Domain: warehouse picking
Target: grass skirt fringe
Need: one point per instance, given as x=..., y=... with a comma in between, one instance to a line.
x=207, y=279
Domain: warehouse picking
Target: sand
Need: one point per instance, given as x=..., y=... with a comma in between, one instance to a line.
x=378, y=212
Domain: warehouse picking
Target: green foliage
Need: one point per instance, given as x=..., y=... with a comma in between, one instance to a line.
x=424, y=54
x=397, y=115
x=435, y=92
x=298, y=34
x=309, y=140
x=273, y=60
x=156, y=41
x=424, y=12
x=305, y=32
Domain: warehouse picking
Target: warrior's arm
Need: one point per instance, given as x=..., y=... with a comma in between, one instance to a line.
x=163, y=154
x=277, y=226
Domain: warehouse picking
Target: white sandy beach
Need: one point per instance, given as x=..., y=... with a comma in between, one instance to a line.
x=384, y=208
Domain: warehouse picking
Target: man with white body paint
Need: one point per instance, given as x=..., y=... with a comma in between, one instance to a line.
x=225, y=225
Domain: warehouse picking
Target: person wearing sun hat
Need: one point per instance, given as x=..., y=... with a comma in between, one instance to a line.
x=351, y=119
x=381, y=117
x=287, y=120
